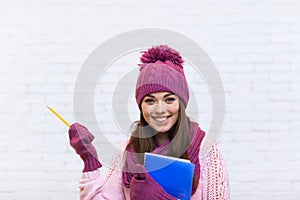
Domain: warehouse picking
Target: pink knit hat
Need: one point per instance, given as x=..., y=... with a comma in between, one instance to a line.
x=161, y=71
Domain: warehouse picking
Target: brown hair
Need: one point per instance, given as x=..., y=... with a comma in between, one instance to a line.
x=142, y=138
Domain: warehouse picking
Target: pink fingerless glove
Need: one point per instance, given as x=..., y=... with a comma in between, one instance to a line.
x=143, y=186
x=80, y=140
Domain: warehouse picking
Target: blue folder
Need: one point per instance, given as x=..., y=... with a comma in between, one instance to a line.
x=173, y=174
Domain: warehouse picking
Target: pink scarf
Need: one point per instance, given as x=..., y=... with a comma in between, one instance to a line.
x=193, y=151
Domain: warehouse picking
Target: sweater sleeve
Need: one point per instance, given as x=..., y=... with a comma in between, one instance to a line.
x=214, y=178
x=93, y=187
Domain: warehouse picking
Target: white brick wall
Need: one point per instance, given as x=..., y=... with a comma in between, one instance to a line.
x=254, y=44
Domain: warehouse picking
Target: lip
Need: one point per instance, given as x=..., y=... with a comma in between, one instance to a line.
x=160, y=118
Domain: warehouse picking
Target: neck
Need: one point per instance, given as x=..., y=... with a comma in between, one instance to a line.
x=161, y=138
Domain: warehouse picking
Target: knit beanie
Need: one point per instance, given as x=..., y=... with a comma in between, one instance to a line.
x=161, y=71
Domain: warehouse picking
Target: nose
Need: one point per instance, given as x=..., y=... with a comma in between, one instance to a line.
x=160, y=108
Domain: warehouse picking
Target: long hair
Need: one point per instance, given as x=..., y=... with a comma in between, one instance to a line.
x=142, y=138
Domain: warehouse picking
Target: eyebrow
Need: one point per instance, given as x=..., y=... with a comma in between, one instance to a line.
x=169, y=94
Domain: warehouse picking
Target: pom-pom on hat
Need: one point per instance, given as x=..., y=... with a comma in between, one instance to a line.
x=161, y=71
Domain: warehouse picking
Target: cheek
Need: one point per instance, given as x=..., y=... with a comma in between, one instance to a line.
x=174, y=109
x=175, y=112
x=146, y=113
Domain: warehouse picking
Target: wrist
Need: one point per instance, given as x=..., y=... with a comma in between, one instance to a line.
x=90, y=163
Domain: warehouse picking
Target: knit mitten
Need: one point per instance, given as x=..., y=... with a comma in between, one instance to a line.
x=143, y=186
x=80, y=140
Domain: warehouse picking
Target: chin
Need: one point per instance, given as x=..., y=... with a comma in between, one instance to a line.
x=162, y=130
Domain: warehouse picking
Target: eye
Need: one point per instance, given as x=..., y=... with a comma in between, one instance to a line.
x=170, y=99
x=149, y=101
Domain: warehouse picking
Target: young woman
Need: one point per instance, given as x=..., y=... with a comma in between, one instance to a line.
x=164, y=128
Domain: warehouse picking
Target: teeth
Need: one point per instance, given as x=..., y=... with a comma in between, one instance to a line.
x=160, y=119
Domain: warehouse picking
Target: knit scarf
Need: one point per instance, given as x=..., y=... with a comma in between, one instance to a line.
x=193, y=151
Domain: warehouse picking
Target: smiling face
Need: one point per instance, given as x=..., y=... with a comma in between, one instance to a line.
x=160, y=110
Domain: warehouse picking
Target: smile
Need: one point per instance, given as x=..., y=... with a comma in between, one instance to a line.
x=160, y=119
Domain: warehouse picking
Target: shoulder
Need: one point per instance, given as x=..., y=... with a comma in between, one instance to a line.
x=197, y=134
x=213, y=154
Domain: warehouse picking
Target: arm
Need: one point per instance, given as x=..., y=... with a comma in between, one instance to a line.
x=92, y=185
x=214, y=177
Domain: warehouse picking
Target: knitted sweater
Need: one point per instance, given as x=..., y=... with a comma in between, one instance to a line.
x=213, y=182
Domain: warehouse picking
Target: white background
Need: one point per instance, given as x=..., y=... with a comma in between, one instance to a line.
x=255, y=46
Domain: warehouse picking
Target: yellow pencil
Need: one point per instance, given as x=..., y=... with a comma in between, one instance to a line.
x=58, y=115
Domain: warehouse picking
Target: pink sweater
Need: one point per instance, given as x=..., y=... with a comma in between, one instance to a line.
x=213, y=182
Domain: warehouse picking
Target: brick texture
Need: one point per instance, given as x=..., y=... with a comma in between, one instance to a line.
x=255, y=46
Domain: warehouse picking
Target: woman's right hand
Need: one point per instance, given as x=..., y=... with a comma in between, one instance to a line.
x=143, y=186
x=81, y=141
